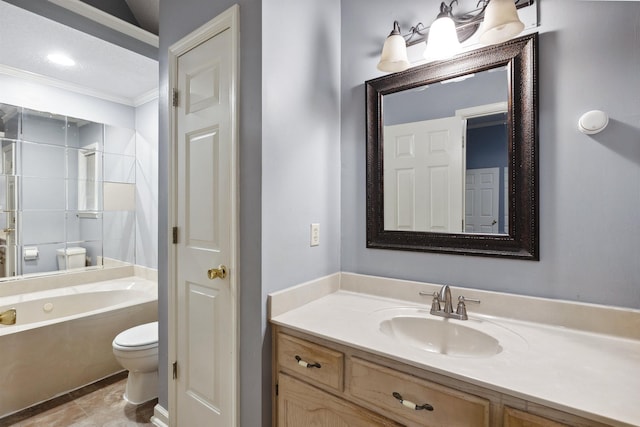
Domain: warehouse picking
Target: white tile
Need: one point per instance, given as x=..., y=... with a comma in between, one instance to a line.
x=119, y=197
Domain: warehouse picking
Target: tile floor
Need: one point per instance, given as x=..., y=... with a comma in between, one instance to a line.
x=96, y=405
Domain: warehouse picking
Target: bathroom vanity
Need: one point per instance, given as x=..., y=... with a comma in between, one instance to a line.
x=358, y=388
x=347, y=354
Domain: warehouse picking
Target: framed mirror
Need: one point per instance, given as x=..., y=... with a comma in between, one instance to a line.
x=452, y=155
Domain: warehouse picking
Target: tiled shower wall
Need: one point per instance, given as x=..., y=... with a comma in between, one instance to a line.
x=47, y=150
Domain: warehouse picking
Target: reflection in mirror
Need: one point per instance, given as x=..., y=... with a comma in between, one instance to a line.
x=486, y=178
x=452, y=155
x=446, y=155
x=51, y=192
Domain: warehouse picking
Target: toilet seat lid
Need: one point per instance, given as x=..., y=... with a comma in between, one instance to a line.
x=138, y=336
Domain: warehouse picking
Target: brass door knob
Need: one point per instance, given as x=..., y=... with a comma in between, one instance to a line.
x=217, y=273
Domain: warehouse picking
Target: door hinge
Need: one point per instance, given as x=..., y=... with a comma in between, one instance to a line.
x=277, y=389
x=175, y=235
x=175, y=98
x=175, y=370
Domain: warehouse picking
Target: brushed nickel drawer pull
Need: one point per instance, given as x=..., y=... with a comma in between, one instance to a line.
x=306, y=364
x=412, y=405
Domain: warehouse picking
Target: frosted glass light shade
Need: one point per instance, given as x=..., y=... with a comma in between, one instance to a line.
x=442, y=42
x=394, y=55
x=501, y=22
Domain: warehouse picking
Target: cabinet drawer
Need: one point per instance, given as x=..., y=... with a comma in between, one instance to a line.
x=311, y=361
x=376, y=384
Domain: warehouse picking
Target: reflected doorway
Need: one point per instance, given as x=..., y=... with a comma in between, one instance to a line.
x=487, y=160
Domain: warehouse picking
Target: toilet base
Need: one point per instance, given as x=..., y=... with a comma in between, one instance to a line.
x=141, y=387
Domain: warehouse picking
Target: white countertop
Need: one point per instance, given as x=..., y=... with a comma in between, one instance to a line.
x=590, y=374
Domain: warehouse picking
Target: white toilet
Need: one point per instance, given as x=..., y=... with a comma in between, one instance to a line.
x=74, y=257
x=136, y=349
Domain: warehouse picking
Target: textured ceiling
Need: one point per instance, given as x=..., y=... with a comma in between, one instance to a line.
x=26, y=39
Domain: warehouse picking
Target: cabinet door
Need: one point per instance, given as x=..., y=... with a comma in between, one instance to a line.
x=515, y=418
x=301, y=405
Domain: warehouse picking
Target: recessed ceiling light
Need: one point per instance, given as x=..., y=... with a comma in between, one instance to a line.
x=61, y=59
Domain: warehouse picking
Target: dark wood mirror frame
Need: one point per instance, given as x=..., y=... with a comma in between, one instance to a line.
x=519, y=56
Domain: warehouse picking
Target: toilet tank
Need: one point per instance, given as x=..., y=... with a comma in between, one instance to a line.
x=71, y=258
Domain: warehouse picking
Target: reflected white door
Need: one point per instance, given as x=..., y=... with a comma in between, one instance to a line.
x=206, y=312
x=482, y=201
x=505, y=192
x=423, y=171
x=8, y=266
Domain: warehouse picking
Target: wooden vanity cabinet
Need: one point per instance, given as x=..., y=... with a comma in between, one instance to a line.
x=320, y=383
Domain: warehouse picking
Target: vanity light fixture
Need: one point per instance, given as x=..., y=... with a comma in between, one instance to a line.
x=442, y=39
x=495, y=21
x=501, y=22
x=394, y=52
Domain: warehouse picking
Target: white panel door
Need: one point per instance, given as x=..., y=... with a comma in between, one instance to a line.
x=482, y=192
x=206, y=312
x=423, y=172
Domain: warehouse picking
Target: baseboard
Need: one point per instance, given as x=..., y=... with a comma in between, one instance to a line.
x=160, y=416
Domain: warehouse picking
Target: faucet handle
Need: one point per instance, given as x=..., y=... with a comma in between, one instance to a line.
x=461, y=310
x=435, y=303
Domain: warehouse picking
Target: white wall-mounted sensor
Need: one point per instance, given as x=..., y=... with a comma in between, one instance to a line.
x=593, y=122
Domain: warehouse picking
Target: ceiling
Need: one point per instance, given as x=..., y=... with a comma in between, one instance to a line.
x=102, y=69
x=146, y=13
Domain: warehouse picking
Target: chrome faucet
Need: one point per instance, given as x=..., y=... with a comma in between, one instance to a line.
x=8, y=317
x=444, y=296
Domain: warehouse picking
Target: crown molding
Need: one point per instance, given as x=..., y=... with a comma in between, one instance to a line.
x=146, y=97
x=71, y=87
x=110, y=21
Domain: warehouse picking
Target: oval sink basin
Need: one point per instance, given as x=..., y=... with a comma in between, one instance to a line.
x=441, y=336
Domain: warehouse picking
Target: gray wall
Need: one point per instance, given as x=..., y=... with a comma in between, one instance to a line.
x=300, y=150
x=589, y=185
x=443, y=100
x=300, y=140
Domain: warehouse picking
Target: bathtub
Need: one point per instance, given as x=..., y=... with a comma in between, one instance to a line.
x=62, y=337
